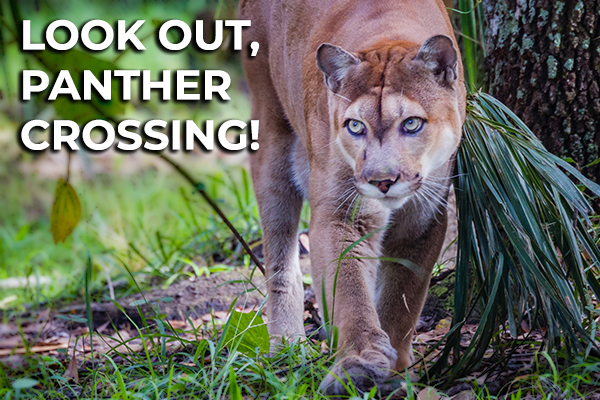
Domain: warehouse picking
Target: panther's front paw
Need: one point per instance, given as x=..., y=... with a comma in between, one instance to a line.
x=369, y=368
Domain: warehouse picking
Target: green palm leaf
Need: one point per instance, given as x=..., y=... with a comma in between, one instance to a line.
x=526, y=248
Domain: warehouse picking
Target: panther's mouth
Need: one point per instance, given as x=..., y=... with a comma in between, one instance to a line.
x=393, y=199
x=428, y=193
x=395, y=190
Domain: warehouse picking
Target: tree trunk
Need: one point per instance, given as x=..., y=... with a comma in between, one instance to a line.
x=543, y=62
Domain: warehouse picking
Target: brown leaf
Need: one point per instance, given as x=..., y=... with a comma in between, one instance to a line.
x=11, y=342
x=102, y=327
x=465, y=395
x=72, y=372
x=33, y=349
x=177, y=324
x=428, y=393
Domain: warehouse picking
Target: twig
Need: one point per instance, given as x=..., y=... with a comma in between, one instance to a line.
x=68, y=166
x=215, y=207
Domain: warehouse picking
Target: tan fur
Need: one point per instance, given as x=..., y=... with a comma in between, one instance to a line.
x=381, y=74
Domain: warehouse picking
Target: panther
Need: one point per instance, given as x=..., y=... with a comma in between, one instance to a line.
x=361, y=105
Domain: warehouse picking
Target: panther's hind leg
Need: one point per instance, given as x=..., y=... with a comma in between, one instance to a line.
x=279, y=201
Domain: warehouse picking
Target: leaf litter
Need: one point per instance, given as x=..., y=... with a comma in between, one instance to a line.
x=197, y=309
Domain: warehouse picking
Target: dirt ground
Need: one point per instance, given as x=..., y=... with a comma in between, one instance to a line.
x=198, y=306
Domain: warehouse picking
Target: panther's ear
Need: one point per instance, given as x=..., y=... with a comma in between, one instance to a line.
x=335, y=63
x=439, y=55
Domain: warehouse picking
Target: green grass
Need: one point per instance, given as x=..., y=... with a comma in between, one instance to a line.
x=215, y=367
x=149, y=222
x=122, y=210
x=201, y=369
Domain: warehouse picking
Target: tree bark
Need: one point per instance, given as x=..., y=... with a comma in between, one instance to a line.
x=543, y=62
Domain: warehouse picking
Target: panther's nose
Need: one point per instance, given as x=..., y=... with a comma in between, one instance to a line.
x=384, y=185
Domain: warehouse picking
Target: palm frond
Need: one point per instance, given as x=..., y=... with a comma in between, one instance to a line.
x=526, y=246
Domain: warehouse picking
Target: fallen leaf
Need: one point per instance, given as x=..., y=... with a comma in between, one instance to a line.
x=444, y=324
x=34, y=349
x=221, y=315
x=103, y=327
x=428, y=393
x=177, y=324
x=11, y=342
x=465, y=395
x=72, y=372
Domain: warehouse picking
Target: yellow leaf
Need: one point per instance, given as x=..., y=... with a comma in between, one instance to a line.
x=65, y=211
x=444, y=324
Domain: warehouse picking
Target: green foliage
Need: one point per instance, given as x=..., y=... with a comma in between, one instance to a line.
x=197, y=370
x=246, y=333
x=526, y=248
x=143, y=222
x=235, y=392
x=24, y=383
x=82, y=111
x=202, y=369
x=75, y=62
x=469, y=30
x=470, y=37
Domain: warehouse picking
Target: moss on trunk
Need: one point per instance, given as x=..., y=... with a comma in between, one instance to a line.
x=543, y=61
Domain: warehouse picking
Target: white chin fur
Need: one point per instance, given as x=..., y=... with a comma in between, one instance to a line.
x=390, y=202
x=393, y=203
x=396, y=197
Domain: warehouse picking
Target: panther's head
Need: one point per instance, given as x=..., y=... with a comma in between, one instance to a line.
x=396, y=112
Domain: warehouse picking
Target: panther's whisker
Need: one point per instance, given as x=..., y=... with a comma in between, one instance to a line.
x=333, y=189
x=443, y=178
x=435, y=185
x=345, y=200
x=347, y=196
x=431, y=188
x=435, y=200
x=344, y=194
x=349, y=192
x=437, y=203
x=434, y=196
x=431, y=200
x=350, y=207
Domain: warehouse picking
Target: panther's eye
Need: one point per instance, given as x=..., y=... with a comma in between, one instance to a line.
x=412, y=125
x=355, y=127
